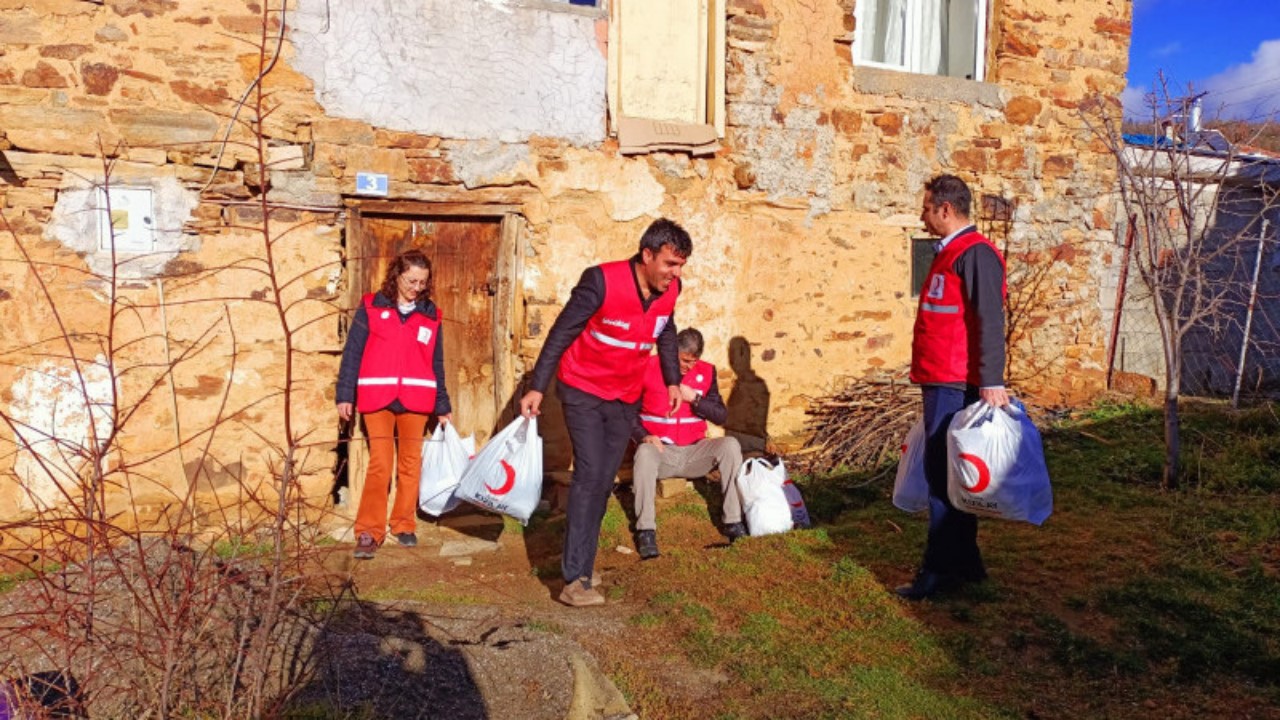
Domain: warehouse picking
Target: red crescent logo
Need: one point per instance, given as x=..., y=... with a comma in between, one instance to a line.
x=984, y=473
x=789, y=481
x=506, y=486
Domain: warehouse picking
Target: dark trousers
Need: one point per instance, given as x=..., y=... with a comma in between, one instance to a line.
x=952, y=546
x=599, y=431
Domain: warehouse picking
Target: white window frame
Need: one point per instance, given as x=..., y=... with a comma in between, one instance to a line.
x=909, y=39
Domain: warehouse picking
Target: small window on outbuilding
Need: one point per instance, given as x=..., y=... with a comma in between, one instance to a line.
x=930, y=37
x=922, y=253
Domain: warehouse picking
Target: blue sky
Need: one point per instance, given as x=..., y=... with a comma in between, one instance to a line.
x=1229, y=48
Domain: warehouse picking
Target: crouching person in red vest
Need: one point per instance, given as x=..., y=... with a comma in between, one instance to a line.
x=393, y=372
x=677, y=445
x=600, y=342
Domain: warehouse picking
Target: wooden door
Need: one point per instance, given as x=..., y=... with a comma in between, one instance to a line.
x=463, y=253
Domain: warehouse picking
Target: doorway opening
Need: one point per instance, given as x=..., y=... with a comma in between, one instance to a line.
x=476, y=269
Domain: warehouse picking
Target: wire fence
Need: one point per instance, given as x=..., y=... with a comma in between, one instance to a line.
x=1232, y=352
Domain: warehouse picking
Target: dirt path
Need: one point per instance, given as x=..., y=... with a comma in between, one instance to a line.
x=466, y=626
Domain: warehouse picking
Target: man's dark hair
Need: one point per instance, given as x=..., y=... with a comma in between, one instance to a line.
x=666, y=232
x=951, y=190
x=689, y=340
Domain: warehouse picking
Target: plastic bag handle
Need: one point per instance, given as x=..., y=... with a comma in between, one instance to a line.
x=984, y=413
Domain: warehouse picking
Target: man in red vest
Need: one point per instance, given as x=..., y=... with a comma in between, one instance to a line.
x=957, y=356
x=600, y=342
x=676, y=445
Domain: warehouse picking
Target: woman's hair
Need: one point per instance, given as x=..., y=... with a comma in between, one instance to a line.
x=398, y=267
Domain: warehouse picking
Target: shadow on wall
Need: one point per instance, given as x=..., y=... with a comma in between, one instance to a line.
x=373, y=661
x=748, y=402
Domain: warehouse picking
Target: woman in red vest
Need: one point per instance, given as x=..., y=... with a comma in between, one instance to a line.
x=393, y=372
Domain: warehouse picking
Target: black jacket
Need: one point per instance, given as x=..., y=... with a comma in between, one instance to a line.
x=982, y=277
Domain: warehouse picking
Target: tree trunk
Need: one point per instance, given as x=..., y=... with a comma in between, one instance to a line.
x=1172, y=444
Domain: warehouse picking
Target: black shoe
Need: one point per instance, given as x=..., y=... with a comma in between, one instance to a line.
x=733, y=531
x=927, y=584
x=647, y=544
x=407, y=539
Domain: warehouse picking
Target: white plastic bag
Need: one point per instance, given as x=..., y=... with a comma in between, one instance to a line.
x=445, y=456
x=506, y=475
x=911, y=487
x=995, y=464
x=764, y=501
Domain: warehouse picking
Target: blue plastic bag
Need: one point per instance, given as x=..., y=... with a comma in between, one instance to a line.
x=910, y=487
x=995, y=464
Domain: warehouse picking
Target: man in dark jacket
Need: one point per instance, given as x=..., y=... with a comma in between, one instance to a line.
x=598, y=348
x=676, y=445
x=957, y=356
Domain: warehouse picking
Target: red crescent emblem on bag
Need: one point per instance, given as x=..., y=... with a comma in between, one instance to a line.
x=984, y=473
x=788, y=481
x=506, y=486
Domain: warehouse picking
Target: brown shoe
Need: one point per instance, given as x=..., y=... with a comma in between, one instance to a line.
x=366, y=546
x=576, y=594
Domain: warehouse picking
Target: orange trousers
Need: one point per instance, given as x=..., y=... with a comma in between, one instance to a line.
x=384, y=427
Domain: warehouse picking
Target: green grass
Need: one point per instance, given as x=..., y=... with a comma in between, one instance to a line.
x=1126, y=592
x=242, y=547
x=613, y=526
x=12, y=580
x=545, y=626
x=645, y=620
x=441, y=593
x=695, y=508
x=824, y=636
x=9, y=581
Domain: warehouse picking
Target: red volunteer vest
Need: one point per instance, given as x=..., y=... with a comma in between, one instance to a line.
x=683, y=427
x=607, y=358
x=397, y=361
x=942, y=349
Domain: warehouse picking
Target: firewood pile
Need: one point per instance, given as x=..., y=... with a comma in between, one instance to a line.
x=861, y=427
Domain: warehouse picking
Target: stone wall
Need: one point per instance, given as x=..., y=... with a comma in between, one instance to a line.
x=800, y=277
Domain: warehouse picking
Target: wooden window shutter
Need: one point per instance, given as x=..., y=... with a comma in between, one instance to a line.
x=666, y=61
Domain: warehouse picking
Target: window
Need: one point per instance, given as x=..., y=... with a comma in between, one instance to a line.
x=931, y=37
x=666, y=61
